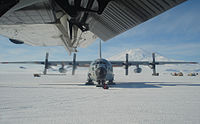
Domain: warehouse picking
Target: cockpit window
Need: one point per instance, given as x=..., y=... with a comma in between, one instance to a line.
x=100, y=62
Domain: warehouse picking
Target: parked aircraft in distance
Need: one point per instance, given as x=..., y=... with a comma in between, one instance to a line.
x=74, y=23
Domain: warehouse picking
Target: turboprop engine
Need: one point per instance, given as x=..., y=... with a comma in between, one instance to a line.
x=62, y=70
x=138, y=70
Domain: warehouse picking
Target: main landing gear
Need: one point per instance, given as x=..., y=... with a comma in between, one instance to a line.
x=90, y=82
x=110, y=82
x=100, y=83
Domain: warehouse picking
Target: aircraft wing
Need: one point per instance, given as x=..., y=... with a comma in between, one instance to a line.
x=74, y=23
x=53, y=63
x=87, y=63
x=152, y=65
x=130, y=63
x=23, y=62
x=135, y=63
x=69, y=63
x=164, y=63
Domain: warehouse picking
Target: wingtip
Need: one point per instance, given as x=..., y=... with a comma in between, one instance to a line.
x=194, y=63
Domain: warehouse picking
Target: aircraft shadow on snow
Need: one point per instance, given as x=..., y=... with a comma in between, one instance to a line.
x=150, y=84
x=135, y=84
x=118, y=85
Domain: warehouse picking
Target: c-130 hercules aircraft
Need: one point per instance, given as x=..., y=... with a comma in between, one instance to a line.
x=100, y=70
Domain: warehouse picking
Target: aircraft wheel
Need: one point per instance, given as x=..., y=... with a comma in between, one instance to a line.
x=111, y=82
x=100, y=83
x=105, y=86
x=89, y=83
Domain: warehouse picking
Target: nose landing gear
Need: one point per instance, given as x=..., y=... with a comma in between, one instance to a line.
x=105, y=86
x=101, y=83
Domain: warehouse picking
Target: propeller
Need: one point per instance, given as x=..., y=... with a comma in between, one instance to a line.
x=154, y=65
x=74, y=64
x=126, y=65
x=46, y=64
x=63, y=65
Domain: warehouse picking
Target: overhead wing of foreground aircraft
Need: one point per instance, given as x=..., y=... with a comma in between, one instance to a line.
x=74, y=23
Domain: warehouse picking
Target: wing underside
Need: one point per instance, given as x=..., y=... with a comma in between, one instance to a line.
x=53, y=63
x=121, y=15
x=75, y=23
x=147, y=63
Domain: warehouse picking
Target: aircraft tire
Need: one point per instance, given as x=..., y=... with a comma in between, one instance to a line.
x=111, y=82
x=89, y=83
x=99, y=85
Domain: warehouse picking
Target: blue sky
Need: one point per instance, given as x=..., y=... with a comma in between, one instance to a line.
x=174, y=34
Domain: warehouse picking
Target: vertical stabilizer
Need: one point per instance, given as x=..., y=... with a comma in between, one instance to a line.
x=100, y=49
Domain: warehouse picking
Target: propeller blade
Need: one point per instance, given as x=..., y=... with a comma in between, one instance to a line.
x=63, y=65
x=153, y=57
x=100, y=49
x=154, y=69
x=126, y=65
x=154, y=65
x=46, y=63
x=74, y=64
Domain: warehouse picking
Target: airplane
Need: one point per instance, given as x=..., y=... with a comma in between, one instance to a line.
x=74, y=23
x=100, y=70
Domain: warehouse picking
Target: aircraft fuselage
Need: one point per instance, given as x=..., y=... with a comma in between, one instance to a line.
x=100, y=71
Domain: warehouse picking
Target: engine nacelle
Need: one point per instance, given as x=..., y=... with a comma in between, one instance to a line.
x=62, y=70
x=138, y=70
x=150, y=66
x=16, y=41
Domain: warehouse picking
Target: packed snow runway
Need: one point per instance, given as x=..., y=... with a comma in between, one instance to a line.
x=137, y=98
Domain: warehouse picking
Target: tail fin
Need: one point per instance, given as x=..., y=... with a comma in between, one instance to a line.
x=100, y=49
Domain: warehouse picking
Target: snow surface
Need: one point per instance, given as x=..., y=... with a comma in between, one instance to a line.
x=137, y=98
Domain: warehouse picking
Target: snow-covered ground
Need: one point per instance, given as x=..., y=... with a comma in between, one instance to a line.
x=137, y=98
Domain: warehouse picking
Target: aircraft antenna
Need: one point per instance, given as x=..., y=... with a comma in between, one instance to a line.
x=100, y=49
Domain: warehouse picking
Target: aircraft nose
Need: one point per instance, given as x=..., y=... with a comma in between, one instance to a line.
x=101, y=73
